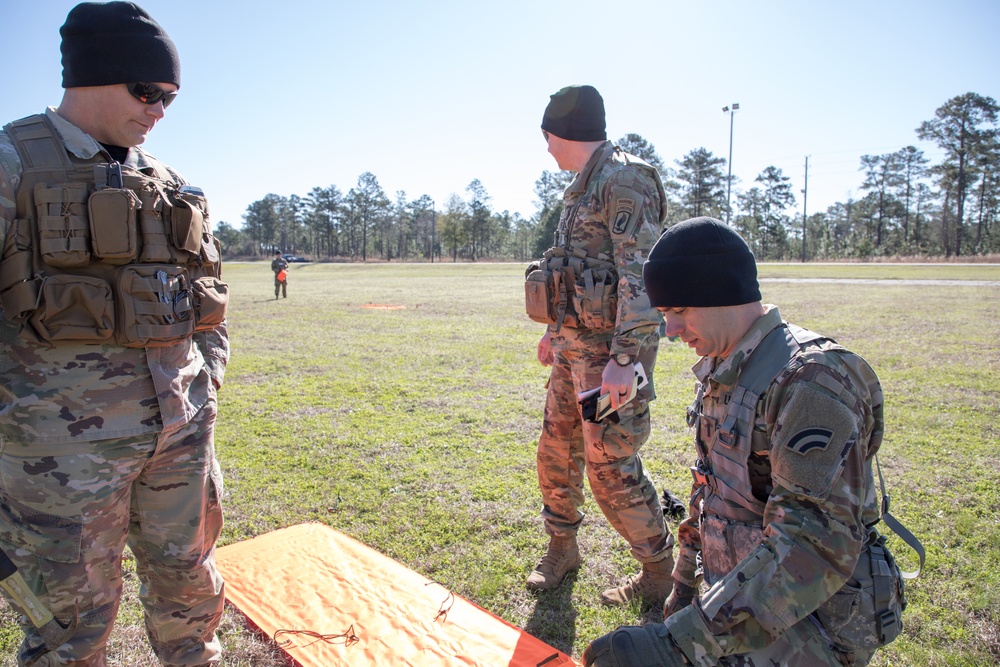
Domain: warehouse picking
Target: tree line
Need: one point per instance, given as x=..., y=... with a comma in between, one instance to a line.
x=908, y=207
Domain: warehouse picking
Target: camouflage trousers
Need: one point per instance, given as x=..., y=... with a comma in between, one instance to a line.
x=280, y=286
x=607, y=452
x=68, y=511
x=802, y=645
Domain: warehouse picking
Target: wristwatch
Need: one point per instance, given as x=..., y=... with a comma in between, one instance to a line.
x=623, y=360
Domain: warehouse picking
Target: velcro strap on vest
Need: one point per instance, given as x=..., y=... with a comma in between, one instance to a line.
x=156, y=331
x=742, y=410
x=895, y=526
x=61, y=195
x=593, y=298
x=20, y=299
x=69, y=243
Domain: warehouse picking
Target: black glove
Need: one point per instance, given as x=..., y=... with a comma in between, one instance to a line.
x=682, y=596
x=672, y=506
x=648, y=646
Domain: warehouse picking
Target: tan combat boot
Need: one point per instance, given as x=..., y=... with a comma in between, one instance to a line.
x=562, y=555
x=653, y=585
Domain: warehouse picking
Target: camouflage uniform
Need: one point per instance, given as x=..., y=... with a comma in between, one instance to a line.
x=103, y=446
x=610, y=188
x=784, y=577
x=277, y=264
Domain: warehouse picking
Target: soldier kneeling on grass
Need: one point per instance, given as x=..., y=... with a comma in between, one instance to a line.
x=783, y=522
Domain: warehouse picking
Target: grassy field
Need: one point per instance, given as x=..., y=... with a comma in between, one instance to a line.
x=414, y=430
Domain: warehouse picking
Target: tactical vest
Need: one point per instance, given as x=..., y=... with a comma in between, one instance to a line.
x=568, y=287
x=866, y=612
x=724, y=449
x=101, y=254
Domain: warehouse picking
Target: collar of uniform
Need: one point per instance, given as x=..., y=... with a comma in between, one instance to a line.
x=728, y=369
x=77, y=142
x=602, y=153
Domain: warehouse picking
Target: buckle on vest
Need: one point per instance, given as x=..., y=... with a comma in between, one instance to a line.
x=692, y=415
x=885, y=620
x=700, y=473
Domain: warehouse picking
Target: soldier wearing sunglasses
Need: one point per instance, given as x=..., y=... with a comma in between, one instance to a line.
x=113, y=345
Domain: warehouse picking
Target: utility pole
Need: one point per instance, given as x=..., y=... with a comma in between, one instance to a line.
x=434, y=219
x=805, y=198
x=729, y=180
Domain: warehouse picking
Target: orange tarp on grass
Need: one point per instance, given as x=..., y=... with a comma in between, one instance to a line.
x=371, y=609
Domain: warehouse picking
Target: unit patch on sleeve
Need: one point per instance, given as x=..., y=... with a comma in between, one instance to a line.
x=623, y=211
x=813, y=434
x=810, y=438
x=625, y=203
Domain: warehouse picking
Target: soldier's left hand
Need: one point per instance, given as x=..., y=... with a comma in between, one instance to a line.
x=646, y=646
x=617, y=381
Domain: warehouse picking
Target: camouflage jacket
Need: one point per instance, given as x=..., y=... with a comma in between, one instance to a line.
x=820, y=422
x=76, y=392
x=614, y=210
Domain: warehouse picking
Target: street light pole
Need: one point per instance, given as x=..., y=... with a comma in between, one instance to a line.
x=805, y=199
x=729, y=179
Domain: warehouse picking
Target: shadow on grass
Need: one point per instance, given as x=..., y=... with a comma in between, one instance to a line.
x=554, y=618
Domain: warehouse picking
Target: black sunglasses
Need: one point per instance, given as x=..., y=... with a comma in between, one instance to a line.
x=147, y=93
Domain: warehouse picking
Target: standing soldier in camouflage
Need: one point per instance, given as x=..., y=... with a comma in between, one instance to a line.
x=113, y=345
x=600, y=324
x=783, y=507
x=280, y=268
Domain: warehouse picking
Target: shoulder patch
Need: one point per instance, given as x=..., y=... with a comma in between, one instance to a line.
x=625, y=204
x=624, y=208
x=810, y=438
x=813, y=435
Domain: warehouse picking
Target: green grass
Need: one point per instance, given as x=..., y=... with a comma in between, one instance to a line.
x=881, y=271
x=414, y=431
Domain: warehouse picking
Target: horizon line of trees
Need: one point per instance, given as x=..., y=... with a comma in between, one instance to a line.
x=908, y=207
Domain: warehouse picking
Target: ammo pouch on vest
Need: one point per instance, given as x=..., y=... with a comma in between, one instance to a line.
x=72, y=309
x=154, y=305
x=113, y=234
x=867, y=612
x=210, y=297
x=572, y=290
x=540, y=301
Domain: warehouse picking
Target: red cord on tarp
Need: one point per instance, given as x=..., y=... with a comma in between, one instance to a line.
x=349, y=637
x=445, y=605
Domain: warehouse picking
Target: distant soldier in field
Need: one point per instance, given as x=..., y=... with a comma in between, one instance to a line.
x=280, y=268
x=113, y=345
x=784, y=506
x=600, y=324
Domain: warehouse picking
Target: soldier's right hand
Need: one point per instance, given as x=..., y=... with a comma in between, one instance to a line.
x=648, y=646
x=681, y=596
x=545, y=357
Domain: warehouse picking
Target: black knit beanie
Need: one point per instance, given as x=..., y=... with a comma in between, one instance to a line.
x=576, y=113
x=700, y=263
x=116, y=42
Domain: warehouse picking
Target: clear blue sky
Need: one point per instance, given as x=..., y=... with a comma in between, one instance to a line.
x=284, y=96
